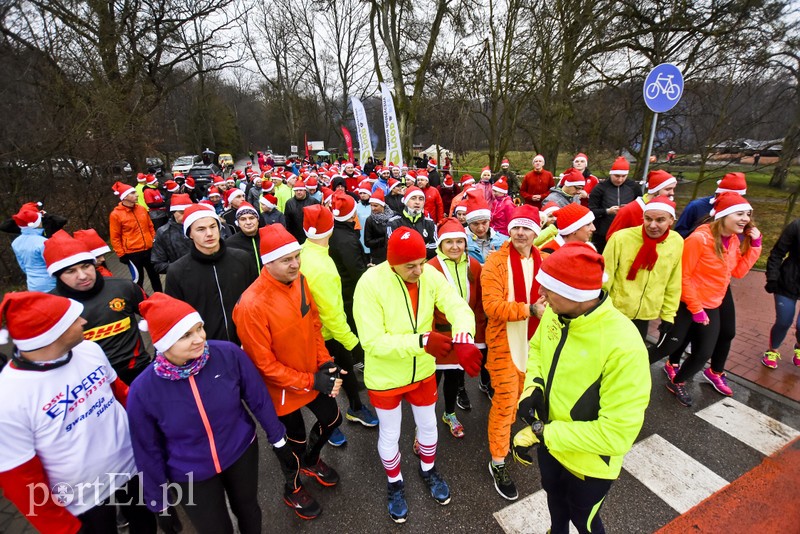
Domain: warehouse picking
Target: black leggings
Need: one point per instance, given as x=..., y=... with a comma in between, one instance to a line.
x=708, y=341
x=204, y=501
x=642, y=326
x=453, y=381
x=570, y=498
x=103, y=518
x=344, y=359
x=138, y=263
x=328, y=417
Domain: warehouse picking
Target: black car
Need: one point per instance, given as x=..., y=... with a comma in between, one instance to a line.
x=202, y=176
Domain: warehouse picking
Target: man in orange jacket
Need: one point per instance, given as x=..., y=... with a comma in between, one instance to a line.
x=284, y=340
x=132, y=234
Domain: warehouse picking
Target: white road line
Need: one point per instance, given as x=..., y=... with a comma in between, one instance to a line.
x=527, y=516
x=749, y=426
x=677, y=478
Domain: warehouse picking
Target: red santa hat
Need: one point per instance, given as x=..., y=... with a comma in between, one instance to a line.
x=180, y=202
x=268, y=201
x=661, y=203
x=343, y=207
x=466, y=180
x=525, y=216
x=405, y=245
x=231, y=180
x=378, y=197
x=580, y=155
x=477, y=209
x=96, y=244
x=122, y=190
x=733, y=182
x=311, y=183
x=151, y=179
x=448, y=181
x=27, y=217
x=572, y=217
x=171, y=185
x=620, y=166
x=412, y=192
x=218, y=181
x=727, y=203
x=658, y=180
x=392, y=183
x=299, y=185
x=189, y=183
x=550, y=208
x=213, y=191
x=501, y=185
x=372, y=177
x=141, y=177
x=317, y=221
x=233, y=193
x=572, y=177
x=327, y=195
x=364, y=187
x=35, y=320
x=575, y=271
x=485, y=170
x=167, y=319
x=432, y=163
x=62, y=251
x=276, y=242
x=449, y=228
x=267, y=187
x=462, y=206
x=245, y=208
x=195, y=212
x=504, y=164
x=422, y=175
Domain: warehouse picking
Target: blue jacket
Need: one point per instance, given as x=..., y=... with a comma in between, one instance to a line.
x=363, y=211
x=29, y=249
x=168, y=434
x=381, y=184
x=692, y=214
x=475, y=250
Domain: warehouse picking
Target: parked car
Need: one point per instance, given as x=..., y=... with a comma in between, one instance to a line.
x=202, y=176
x=120, y=168
x=155, y=165
x=225, y=161
x=184, y=163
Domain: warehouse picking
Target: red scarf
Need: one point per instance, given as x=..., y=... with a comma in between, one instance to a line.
x=647, y=256
x=518, y=278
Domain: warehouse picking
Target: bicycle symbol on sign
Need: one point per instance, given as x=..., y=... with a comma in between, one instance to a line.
x=663, y=85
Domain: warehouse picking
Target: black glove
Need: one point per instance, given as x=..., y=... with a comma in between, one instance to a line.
x=772, y=286
x=124, y=259
x=532, y=405
x=324, y=380
x=664, y=328
x=168, y=521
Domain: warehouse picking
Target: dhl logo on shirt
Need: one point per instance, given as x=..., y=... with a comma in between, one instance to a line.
x=107, y=330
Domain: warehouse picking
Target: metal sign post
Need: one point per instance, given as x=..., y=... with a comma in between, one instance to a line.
x=662, y=89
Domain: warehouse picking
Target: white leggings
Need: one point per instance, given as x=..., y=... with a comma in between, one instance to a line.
x=389, y=437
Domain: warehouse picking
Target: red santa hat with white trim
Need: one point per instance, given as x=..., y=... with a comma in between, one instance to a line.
x=572, y=177
x=196, y=212
x=27, y=217
x=660, y=203
x=500, y=185
x=299, y=185
x=268, y=201
x=658, y=180
x=276, y=242
x=411, y=192
x=620, y=166
x=727, y=203
x=35, y=320
x=364, y=187
x=122, y=190
x=572, y=217
x=550, y=208
x=580, y=155
x=317, y=221
x=526, y=216
x=180, y=202
x=378, y=197
x=733, y=182
x=392, y=183
x=167, y=319
x=505, y=164
x=96, y=244
x=477, y=209
x=62, y=251
x=466, y=180
x=343, y=207
x=575, y=271
x=449, y=228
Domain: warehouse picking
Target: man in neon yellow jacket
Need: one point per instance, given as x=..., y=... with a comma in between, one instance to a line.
x=326, y=288
x=393, y=308
x=643, y=264
x=586, y=389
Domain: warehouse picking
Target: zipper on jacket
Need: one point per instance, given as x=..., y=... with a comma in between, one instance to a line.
x=206, y=424
x=144, y=241
x=551, y=374
x=221, y=303
x=258, y=258
x=411, y=318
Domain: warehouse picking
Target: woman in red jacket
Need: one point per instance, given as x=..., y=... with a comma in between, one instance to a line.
x=464, y=273
x=712, y=254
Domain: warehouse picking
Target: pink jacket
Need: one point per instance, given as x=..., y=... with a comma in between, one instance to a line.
x=501, y=214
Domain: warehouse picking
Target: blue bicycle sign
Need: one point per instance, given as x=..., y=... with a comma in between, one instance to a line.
x=663, y=87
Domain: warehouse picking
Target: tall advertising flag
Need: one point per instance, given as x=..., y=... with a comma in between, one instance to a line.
x=362, y=131
x=394, y=153
x=348, y=140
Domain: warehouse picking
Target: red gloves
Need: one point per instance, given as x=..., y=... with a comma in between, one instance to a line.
x=469, y=357
x=436, y=344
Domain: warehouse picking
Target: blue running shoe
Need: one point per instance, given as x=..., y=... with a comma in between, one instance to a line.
x=363, y=416
x=337, y=439
x=398, y=508
x=440, y=491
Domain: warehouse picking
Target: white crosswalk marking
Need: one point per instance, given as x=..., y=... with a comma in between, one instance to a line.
x=749, y=426
x=683, y=484
x=527, y=516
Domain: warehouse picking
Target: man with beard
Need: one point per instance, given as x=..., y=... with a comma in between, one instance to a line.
x=294, y=210
x=412, y=216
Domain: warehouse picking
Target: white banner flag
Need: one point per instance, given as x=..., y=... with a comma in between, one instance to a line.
x=394, y=154
x=362, y=131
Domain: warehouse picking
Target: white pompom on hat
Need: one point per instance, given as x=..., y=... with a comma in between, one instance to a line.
x=317, y=221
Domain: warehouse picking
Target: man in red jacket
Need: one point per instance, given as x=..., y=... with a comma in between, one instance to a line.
x=285, y=342
x=433, y=200
x=537, y=183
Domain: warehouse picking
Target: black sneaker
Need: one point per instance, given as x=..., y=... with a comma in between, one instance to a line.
x=462, y=400
x=502, y=482
x=325, y=475
x=679, y=390
x=486, y=388
x=302, y=503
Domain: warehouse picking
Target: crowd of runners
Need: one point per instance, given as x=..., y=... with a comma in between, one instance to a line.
x=287, y=285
